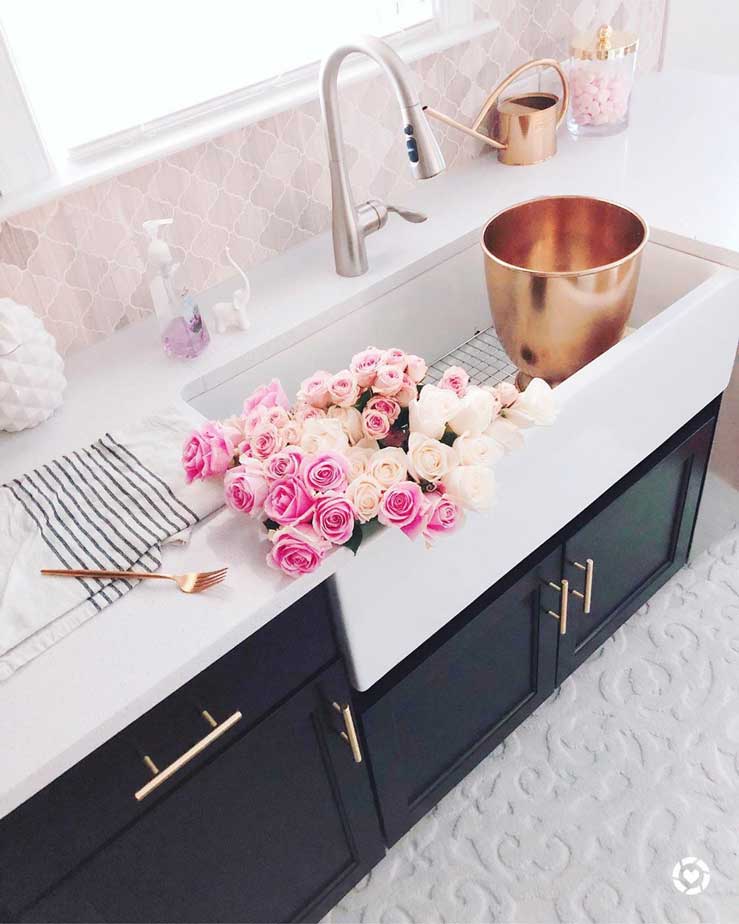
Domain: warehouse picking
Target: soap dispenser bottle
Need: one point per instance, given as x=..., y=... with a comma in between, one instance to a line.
x=182, y=329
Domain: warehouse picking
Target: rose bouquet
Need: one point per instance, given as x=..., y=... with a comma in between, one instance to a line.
x=370, y=442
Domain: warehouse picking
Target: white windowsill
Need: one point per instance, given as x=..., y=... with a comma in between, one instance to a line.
x=72, y=176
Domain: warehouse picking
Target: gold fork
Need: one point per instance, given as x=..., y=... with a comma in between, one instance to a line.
x=192, y=583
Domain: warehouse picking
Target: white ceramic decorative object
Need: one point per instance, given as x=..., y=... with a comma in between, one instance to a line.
x=31, y=370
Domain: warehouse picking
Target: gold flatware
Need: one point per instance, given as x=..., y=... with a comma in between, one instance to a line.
x=192, y=583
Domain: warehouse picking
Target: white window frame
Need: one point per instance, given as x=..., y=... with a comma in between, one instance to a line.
x=29, y=177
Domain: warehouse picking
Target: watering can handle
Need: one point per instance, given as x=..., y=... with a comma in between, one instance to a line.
x=514, y=75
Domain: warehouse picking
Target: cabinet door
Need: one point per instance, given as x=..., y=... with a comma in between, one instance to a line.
x=639, y=540
x=276, y=826
x=464, y=691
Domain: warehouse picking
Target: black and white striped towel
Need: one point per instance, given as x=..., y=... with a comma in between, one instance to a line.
x=110, y=505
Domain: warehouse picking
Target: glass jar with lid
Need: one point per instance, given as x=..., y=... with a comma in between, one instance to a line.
x=601, y=73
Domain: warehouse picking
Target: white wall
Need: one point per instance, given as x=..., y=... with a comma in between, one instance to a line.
x=702, y=35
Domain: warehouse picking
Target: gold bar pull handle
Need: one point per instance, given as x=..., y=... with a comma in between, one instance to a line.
x=350, y=733
x=161, y=776
x=586, y=597
x=564, y=592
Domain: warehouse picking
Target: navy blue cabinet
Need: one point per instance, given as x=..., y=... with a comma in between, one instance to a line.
x=632, y=543
x=277, y=826
x=274, y=820
x=435, y=718
x=447, y=705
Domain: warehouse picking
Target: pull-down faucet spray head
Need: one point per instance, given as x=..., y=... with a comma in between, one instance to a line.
x=423, y=149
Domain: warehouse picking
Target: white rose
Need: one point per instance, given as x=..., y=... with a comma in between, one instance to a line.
x=429, y=413
x=428, y=459
x=477, y=450
x=474, y=413
x=471, y=486
x=505, y=433
x=351, y=421
x=291, y=433
x=358, y=458
x=534, y=407
x=388, y=466
x=364, y=494
x=322, y=433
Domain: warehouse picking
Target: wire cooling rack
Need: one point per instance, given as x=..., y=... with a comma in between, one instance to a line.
x=482, y=356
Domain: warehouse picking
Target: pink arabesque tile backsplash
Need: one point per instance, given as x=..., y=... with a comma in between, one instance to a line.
x=79, y=262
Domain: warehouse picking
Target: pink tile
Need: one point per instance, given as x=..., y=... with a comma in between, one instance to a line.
x=51, y=259
x=226, y=210
x=17, y=245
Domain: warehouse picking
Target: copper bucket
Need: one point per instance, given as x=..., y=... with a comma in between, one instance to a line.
x=561, y=275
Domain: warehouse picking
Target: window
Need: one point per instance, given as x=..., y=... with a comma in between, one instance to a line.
x=93, y=70
x=90, y=87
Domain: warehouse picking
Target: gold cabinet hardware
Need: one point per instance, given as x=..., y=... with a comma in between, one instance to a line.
x=179, y=763
x=350, y=733
x=564, y=594
x=586, y=597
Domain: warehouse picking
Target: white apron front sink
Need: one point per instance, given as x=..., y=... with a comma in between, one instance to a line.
x=395, y=594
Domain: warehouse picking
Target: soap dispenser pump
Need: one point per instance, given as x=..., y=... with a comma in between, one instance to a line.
x=183, y=332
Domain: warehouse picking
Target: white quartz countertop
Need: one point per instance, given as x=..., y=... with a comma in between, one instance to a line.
x=678, y=165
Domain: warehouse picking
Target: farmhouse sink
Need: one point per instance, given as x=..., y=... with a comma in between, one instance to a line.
x=613, y=413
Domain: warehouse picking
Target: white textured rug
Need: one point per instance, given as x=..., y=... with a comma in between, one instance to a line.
x=583, y=812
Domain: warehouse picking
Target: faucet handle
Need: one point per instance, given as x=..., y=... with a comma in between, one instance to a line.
x=407, y=214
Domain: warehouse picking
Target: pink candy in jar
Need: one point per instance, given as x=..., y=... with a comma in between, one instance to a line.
x=601, y=76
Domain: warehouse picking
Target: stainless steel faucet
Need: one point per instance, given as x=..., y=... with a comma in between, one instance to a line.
x=350, y=224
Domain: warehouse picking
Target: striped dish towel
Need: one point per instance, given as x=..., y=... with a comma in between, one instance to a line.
x=111, y=505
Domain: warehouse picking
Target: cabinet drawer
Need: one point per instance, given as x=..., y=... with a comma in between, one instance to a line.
x=444, y=709
x=47, y=836
x=276, y=827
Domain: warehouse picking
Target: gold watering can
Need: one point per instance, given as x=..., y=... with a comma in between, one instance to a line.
x=523, y=127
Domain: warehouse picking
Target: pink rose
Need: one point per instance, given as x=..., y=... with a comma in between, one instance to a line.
x=297, y=550
x=455, y=379
x=333, y=518
x=265, y=440
x=404, y=505
x=343, y=388
x=395, y=357
x=267, y=396
x=387, y=406
x=305, y=412
x=283, y=463
x=408, y=391
x=278, y=417
x=364, y=366
x=245, y=487
x=253, y=419
x=326, y=471
x=442, y=516
x=376, y=424
x=207, y=453
x=506, y=393
x=388, y=381
x=314, y=390
x=416, y=368
x=288, y=501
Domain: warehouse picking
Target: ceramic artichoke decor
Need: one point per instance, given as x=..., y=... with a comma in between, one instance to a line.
x=31, y=370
